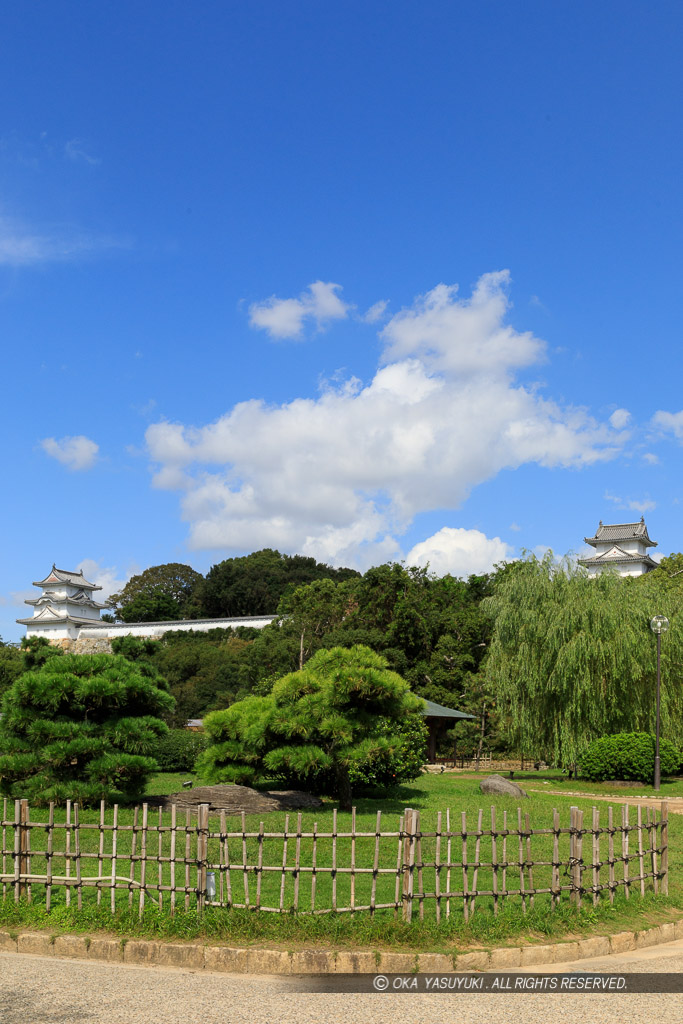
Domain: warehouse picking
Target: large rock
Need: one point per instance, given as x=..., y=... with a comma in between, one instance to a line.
x=496, y=785
x=235, y=799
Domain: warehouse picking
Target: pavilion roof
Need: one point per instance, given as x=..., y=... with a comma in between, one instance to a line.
x=433, y=710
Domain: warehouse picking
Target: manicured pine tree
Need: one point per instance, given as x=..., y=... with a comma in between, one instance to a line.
x=82, y=727
x=318, y=723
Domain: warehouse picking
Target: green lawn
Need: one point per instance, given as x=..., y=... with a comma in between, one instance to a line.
x=430, y=795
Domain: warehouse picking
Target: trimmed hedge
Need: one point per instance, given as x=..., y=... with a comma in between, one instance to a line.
x=628, y=756
x=179, y=749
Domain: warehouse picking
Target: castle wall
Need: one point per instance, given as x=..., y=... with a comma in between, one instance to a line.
x=96, y=639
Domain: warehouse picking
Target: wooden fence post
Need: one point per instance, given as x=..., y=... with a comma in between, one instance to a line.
x=202, y=853
x=24, y=847
x=575, y=845
x=579, y=854
x=664, y=859
x=408, y=863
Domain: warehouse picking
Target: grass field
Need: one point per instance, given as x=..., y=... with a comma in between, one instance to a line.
x=430, y=795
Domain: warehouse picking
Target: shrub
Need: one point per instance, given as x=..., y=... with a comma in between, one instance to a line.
x=178, y=750
x=627, y=756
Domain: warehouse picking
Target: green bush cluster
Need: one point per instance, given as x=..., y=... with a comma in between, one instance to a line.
x=628, y=756
x=402, y=763
x=178, y=750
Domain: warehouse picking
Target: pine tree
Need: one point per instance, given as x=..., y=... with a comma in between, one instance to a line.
x=81, y=727
x=316, y=724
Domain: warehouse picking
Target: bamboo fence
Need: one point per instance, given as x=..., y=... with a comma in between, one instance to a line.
x=181, y=858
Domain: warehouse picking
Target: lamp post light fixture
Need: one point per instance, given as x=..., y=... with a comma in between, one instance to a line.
x=658, y=624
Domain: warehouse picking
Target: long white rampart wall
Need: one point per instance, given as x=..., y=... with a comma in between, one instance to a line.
x=97, y=638
x=157, y=629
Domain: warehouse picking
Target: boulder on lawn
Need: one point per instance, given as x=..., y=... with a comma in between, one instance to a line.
x=496, y=785
x=235, y=799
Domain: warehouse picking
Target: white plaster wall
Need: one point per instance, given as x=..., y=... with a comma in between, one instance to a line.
x=53, y=633
x=157, y=629
x=632, y=547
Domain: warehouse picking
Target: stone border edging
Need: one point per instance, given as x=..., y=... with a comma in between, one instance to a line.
x=199, y=956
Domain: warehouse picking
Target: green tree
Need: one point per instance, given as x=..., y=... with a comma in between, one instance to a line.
x=202, y=673
x=81, y=727
x=11, y=665
x=156, y=606
x=36, y=650
x=175, y=581
x=572, y=657
x=317, y=723
x=254, y=584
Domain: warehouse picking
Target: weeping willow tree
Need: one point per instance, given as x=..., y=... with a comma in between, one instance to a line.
x=572, y=657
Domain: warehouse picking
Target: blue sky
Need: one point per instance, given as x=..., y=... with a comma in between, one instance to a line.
x=230, y=240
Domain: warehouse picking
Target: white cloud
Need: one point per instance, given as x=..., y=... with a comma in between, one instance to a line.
x=620, y=418
x=376, y=312
x=515, y=526
x=670, y=423
x=651, y=458
x=22, y=246
x=76, y=453
x=106, y=577
x=285, y=318
x=339, y=475
x=646, y=505
x=75, y=150
x=459, y=552
x=462, y=335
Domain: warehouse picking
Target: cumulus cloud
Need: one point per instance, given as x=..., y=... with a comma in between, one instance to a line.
x=651, y=458
x=669, y=423
x=285, y=318
x=620, y=418
x=341, y=476
x=107, y=577
x=462, y=335
x=459, y=552
x=76, y=453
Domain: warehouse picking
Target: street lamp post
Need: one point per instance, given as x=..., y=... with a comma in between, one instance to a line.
x=658, y=624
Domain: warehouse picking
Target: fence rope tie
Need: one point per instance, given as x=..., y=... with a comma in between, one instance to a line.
x=571, y=863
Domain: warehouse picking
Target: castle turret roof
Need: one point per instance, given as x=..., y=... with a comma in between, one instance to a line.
x=69, y=576
x=615, y=532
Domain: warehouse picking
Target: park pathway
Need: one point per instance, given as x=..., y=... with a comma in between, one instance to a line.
x=675, y=802
x=49, y=990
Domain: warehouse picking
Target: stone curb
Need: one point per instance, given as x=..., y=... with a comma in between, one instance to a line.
x=311, y=961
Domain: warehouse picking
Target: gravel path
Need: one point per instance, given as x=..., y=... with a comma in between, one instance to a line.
x=48, y=990
x=675, y=802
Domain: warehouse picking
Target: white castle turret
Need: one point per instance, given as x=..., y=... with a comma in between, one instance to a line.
x=65, y=605
x=622, y=546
